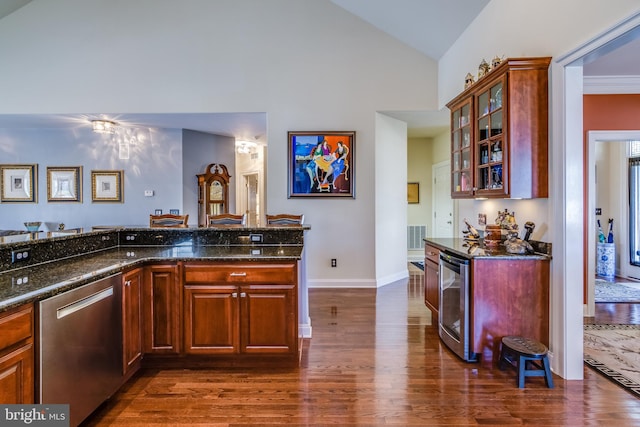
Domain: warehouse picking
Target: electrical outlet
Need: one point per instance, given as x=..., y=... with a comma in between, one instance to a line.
x=20, y=255
x=334, y=262
x=255, y=238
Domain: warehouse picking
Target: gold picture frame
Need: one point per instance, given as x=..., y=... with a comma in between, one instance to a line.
x=19, y=183
x=64, y=183
x=413, y=192
x=107, y=186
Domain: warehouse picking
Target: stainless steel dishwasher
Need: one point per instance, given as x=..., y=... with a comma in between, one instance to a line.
x=80, y=353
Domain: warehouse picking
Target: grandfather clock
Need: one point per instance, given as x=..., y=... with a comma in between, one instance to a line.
x=213, y=192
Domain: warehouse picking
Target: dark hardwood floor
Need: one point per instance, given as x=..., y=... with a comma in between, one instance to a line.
x=375, y=360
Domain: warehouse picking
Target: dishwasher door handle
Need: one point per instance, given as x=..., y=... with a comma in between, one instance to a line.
x=76, y=306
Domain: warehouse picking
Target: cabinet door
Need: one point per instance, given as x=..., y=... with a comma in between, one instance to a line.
x=16, y=376
x=491, y=174
x=268, y=322
x=161, y=308
x=211, y=319
x=462, y=160
x=16, y=355
x=131, y=320
x=431, y=289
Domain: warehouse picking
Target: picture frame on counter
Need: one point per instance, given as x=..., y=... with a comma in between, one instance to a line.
x=413, y=192
x=19, y=183
x=107, y=186
x=321, y=164
x=64, y=184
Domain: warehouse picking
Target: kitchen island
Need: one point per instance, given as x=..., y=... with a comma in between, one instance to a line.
x=194, y=297
x=495, y=292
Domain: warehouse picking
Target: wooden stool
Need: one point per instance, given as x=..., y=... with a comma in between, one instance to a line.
x=520, y=351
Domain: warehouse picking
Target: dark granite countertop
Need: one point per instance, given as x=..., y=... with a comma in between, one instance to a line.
x=471, y=250
x=44, y=280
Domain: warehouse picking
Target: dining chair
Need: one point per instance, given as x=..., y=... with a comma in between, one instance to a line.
x=285, y=219
x=168, y=221
x=226, y=219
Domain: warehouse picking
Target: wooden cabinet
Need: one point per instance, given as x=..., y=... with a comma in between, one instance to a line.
x=508, y=297
x=240, y=308
x=499, y=133
x=17, y=356
x=431, y=281
x=131, y=321
x=161, y=309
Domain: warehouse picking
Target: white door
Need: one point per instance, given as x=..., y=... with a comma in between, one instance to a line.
x=252, y=210
x=442, y=201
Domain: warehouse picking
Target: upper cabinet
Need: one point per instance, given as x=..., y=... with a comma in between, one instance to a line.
x=499, y=133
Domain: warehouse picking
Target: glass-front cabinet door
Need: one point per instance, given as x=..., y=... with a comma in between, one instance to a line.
x=490, y=159
x=462, y=162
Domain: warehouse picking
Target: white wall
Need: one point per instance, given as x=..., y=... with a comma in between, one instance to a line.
x=514, y=28
x=391, y=200
x=309, y=65
x=155, y=163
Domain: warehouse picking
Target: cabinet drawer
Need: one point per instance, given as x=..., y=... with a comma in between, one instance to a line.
x=432, y=253
x=16, y=326
x=240, y=273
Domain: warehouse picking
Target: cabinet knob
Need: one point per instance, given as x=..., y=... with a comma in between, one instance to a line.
x=127, y=283
x=234, y=295
x=243, y=294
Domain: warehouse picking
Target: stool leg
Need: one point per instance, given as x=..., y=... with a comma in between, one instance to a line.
x=522, y=365
x=501, y=360
x=547, y=372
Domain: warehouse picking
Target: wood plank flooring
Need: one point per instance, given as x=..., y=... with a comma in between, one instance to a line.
x=374, y=360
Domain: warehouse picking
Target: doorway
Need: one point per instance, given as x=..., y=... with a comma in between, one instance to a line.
x=251, y=200
x=607, y=169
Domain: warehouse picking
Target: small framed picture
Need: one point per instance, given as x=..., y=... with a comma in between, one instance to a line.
x=413, y=192
x=19, y=183
x=174, y=211
x=64, y=184
x=158, y=212
x=107, y=186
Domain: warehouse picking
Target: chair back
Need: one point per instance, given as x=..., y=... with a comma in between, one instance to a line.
x=285, y=219
x=226, y=219
x=168, y=221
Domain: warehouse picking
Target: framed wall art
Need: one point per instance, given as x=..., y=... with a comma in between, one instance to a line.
x=321, y=164
x=107, y=186
x=64, y=184
x=19, y=183
x=413, y=192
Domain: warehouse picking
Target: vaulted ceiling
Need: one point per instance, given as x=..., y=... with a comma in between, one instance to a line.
x=429, y=26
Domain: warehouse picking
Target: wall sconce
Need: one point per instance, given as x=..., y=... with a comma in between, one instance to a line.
x=104, y=126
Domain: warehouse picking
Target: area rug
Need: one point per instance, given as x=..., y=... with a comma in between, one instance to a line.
x=614, y=351
x=616, y=292
x=419, y=264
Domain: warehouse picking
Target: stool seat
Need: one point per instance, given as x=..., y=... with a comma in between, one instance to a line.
x=525, y=353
